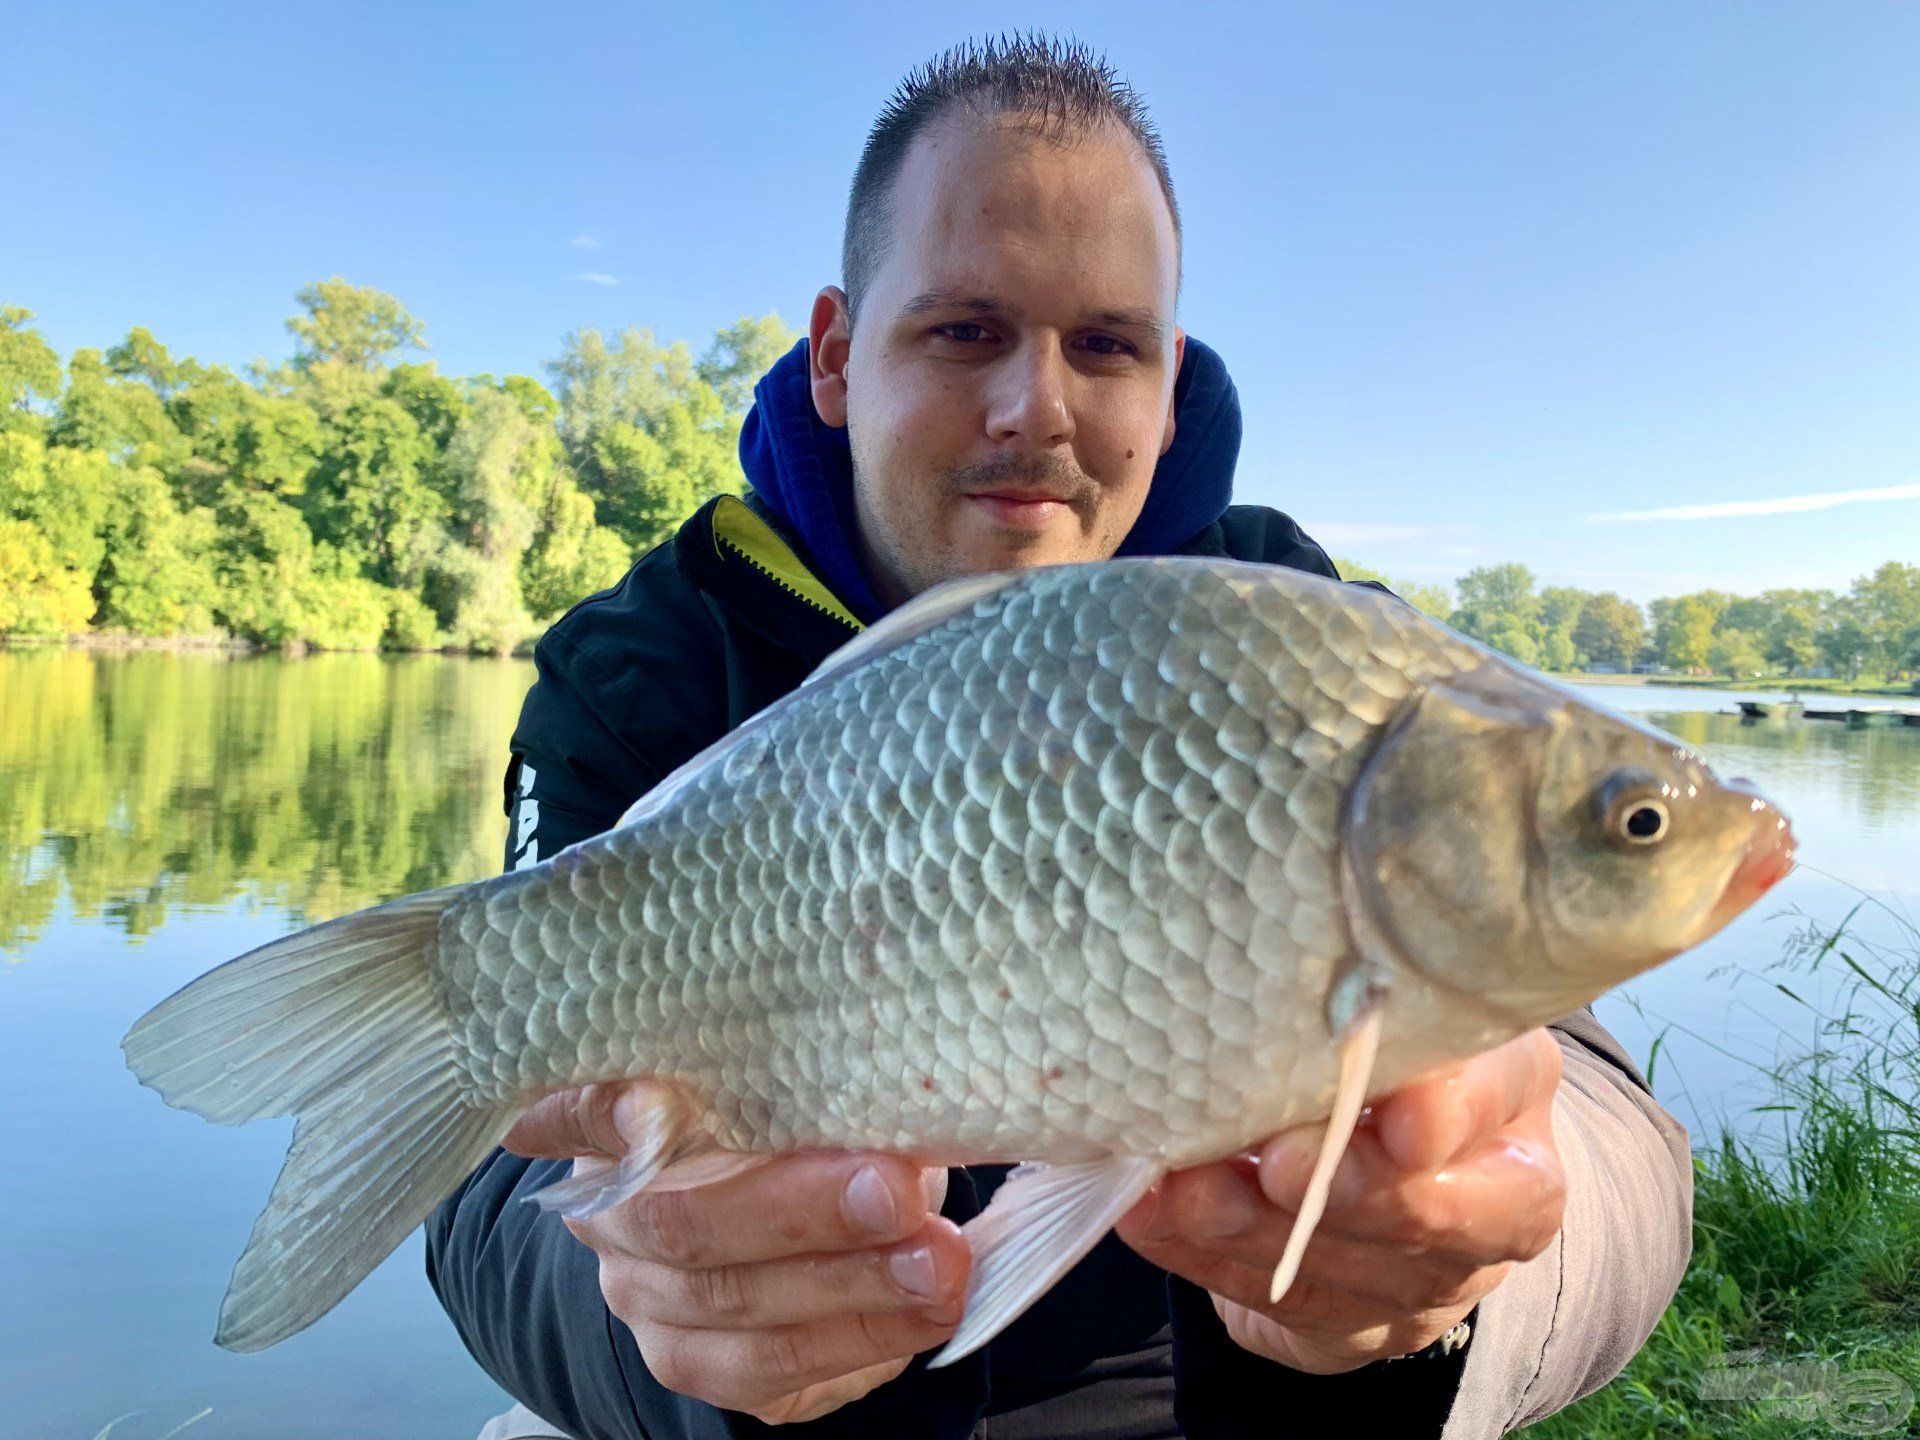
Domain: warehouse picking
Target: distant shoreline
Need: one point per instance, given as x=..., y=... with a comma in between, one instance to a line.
x=1792, y=684
x=217, y=645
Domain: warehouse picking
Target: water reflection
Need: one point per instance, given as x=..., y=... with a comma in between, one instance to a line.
x=139, y=784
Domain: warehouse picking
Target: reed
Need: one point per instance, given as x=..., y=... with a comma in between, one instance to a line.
x=1800, y=1314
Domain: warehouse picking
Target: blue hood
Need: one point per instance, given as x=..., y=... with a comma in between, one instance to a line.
x=801, y=469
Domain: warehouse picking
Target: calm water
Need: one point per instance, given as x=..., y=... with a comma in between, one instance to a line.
x=161, y=813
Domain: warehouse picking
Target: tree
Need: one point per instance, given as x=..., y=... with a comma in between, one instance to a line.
x=1433, y=600
x=1498, y=607
x=143, y=358
x=1845, y=643
x=1887, y=606
x=126, y=419
x=156, y=575
x=1611, y=630
x=1790, y=628
x=1737, y=654
x=1560, y=608
x=368, y=494
x=38, y=595
x=649, y=438
x=29, y=367
x=347, y=337
x=496, y=462
x=741, y=354
x=1683, y=630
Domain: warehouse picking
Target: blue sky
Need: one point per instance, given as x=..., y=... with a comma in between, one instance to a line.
x=1482, y=271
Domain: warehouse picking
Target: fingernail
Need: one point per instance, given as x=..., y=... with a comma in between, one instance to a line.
x=869, y=1203
x=913, y=1271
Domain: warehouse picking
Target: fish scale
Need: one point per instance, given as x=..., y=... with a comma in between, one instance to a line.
x=1058, y=795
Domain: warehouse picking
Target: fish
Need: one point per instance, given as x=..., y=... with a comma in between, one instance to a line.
x=1107, y=868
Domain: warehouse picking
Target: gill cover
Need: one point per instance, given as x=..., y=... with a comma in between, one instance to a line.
x=1439, y=834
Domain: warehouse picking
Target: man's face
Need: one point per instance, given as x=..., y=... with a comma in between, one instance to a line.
x=1009, y=388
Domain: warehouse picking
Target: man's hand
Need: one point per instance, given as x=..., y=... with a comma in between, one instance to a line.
x=1446, y=1184
x=784, y=1292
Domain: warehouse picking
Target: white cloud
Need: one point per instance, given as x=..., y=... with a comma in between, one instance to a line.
x=597, y=277
x=585, y=240
x=1342, y=532
x=1786, y=505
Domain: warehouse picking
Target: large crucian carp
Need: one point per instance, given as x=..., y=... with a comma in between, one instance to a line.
x=1111, y=868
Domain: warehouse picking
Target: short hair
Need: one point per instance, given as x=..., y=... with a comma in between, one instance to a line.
x=1066, y=91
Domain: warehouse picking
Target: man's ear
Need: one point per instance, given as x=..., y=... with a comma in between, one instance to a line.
x=829, y=345
x=1179, y=356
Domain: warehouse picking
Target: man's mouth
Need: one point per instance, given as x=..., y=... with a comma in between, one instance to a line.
x=1022, y=507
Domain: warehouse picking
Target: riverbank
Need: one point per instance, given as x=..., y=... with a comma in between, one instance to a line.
x=1802, y=1300
x=1791, y=684
x=112, y=642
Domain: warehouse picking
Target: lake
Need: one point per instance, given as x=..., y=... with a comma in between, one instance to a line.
x=160, y=813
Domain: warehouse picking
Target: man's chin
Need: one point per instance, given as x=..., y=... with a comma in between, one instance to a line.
x=992, y=546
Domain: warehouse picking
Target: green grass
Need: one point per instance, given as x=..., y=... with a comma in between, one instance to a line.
x=1806, y=1245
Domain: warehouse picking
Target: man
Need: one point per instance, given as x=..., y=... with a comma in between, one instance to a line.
x=1001, y=384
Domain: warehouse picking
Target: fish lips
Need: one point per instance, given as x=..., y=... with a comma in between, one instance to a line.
x=1768, y=860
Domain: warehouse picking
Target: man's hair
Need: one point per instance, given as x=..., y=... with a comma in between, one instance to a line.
x=1061, y=89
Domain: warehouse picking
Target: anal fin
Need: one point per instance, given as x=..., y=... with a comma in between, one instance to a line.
x=1040, y=1223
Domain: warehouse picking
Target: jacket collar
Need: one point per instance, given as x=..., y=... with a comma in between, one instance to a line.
x=801, y=470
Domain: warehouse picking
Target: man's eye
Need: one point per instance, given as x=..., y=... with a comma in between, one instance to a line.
x=1120, y=347
x=948, y=330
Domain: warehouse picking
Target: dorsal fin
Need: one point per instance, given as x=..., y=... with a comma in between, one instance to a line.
x=915, y=618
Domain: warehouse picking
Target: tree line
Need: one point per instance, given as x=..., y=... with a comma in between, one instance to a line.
x=1869, y=632
x=349, y=498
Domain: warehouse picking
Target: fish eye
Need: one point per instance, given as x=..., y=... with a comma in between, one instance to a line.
x=1633, y=809
x=1644, y=823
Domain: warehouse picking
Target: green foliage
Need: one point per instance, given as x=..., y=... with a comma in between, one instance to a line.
x=1610, y=631
x=1431, y=600
x=651, y=432
x=347, y=338
x=38, y=595
x=29, y=368
x=347, y=500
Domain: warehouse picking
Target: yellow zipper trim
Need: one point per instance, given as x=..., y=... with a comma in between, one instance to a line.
x=753, y=540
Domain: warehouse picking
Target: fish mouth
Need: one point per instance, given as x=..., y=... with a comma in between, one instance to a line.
x=1768, y=859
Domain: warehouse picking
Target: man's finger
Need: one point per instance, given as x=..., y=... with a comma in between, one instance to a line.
x=748, y=1369
x=1197, y=1207
x=1501, y=1203
x=602, y=1119
x=926, y=1271
x=795, y=1205
x=1433, y=1121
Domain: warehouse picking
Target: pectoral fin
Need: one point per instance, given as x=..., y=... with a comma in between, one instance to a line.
x=1042, y=1220
x=1359, y=1042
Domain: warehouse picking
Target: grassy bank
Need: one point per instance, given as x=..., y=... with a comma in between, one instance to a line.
x=1790, y=683
x=1800, y=1314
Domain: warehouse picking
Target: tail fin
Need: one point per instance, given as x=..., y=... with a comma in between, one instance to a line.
x=340, y=1026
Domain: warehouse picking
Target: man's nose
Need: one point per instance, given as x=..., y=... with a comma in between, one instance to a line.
x=1030, y=397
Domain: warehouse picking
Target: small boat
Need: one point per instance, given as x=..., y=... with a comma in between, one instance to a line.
x=1775, y=710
